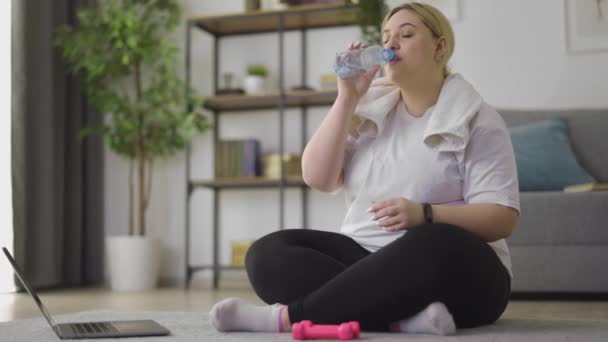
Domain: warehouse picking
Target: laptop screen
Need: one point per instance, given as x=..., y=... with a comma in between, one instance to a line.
x=29, y=289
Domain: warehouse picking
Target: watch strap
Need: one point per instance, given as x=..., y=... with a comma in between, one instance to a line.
x=427, y=209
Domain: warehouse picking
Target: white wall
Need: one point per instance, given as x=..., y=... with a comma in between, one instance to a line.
x=512, y=51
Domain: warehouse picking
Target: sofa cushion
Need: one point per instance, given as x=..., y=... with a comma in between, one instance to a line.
x=586, y=129
x=544, y=157
x=562, y=218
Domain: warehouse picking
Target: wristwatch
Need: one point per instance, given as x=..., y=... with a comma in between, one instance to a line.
x=427, y=209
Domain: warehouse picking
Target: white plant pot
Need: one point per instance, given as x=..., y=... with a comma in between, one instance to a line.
x=277, y=5
x=273, y=5
x=133, y=262
x=254, y=85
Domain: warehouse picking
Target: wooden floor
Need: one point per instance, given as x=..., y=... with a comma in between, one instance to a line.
x=20, y=305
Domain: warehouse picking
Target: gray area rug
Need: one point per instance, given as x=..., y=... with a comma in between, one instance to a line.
x=190, y=326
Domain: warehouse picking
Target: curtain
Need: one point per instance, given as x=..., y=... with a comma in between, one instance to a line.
x=57, y=177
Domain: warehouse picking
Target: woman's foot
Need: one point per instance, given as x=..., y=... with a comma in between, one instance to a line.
x=234, y=314
x=435, y=319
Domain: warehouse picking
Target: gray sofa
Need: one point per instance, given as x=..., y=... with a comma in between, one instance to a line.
x=561, y=242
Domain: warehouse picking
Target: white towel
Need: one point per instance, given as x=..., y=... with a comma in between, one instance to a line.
x=448, y=129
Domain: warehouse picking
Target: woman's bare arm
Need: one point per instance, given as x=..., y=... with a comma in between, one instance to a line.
x=323, y=158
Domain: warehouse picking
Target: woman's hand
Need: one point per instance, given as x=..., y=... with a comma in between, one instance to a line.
x=356, y=86
x=397, y=214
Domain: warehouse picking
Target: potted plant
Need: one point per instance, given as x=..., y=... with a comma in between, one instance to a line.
x=369, y=17
x=252, y=5
x=255, y=79
x=128, y=66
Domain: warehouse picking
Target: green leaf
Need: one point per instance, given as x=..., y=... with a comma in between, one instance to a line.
x=93, y=130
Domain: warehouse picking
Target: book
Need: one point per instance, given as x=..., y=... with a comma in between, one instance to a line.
x=593, y=186
x=237, y=158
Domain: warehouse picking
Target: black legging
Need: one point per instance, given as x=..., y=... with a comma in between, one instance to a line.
x=329, y=278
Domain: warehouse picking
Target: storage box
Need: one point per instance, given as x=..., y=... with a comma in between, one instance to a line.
x=239, y=251
x=328, y=82
x=291, y=162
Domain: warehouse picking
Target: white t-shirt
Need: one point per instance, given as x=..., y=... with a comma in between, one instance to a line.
x=396, y=163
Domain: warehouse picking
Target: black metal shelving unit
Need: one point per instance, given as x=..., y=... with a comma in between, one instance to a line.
x=301, y=18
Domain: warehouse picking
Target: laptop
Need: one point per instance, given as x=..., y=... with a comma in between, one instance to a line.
x=91, y=329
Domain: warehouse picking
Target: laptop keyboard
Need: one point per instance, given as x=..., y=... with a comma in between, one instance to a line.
x=94, y=328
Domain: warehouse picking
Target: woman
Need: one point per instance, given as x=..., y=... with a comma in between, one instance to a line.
x=433, y=165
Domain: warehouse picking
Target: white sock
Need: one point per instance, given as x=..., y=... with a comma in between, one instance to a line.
x=234, y=314
x=435, y=319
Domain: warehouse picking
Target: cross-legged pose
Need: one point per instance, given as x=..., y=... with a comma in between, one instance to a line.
x=429, y=175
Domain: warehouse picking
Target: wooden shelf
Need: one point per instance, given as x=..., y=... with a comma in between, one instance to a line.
x=221, y=267
x=246, y=182
x=249, y=102
x=294, y=18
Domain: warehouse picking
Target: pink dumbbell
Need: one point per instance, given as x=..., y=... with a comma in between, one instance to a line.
x=305, y=330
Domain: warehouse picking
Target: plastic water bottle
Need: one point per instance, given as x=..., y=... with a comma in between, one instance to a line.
x=355, y=62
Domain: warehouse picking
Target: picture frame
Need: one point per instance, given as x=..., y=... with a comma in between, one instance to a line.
x=585, y=25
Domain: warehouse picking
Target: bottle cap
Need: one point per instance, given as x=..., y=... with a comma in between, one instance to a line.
x=388, y=55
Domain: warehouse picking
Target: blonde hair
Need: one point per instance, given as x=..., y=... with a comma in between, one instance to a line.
x=436, y=22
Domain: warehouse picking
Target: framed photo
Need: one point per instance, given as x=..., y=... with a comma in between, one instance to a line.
x=586, y=25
